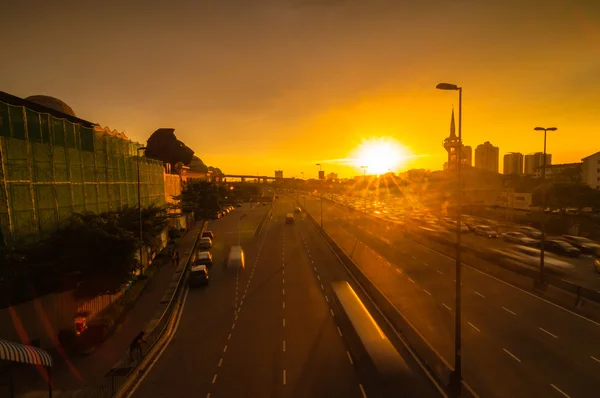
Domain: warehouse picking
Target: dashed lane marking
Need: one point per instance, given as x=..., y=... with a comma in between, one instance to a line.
x=479, y=294
x=362, y=391
x=448, y=308
x=350, y=358
x=339, y=330
x=220, y=362
x=507, y=310
x=473, y=326
x=548, y=333
x=427, y=292
x=560, y=391
x=512, y=355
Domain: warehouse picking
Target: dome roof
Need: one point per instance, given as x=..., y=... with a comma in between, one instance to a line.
x=52, y=103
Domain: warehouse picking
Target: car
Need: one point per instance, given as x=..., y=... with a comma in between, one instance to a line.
x=205, y=243
x=560, y=247
x=289, y=218
x=238, y=204
x=236, y=257
x=519, y=238
x=484, y=230
x=586, y=245
x=198, y=275
x=526, y=255
x=208, y=234
x=530, y=231
x=297, y=210
x=204, y=258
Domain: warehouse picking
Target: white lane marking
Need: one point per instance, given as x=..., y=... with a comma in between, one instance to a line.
x=318, y=277
x=225, y=348
x=330, y=310
x=411, y=280
x=220, y=362
x=282, y=271
x=283, y=322
x=511, y=354
x=362, y=391
x=448, y=308
x=283, y=280
x=547, y=332
x=284, y=305
x=560, y=391
x=283, y=345
x=315, y=268
x=322, y=288
x=480, y=295
x=339, y=330
x=440, y=272
x=284, y=378
x=326, y=298
x=283, y=290
x=229, y=337
x=473, y=326
x=208, y=395
x=413, y=257
x=214, y=380
x=507, y=310
x=427, y=292
x=350, y=358
x=595, y=359
x=427, y=265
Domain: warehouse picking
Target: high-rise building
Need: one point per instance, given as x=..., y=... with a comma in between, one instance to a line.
x=451, y=145
x=536, y=160
x=591, y=170
x=279, y=174
x=487, y=157
x=513, y=163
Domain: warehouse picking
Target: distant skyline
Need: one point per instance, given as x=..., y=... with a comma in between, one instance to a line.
x=265, y=85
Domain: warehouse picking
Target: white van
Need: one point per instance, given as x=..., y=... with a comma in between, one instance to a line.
x=236, y=257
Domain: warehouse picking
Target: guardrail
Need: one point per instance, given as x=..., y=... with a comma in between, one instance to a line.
x=428, y=355
x=268, y=214
x=114, y=379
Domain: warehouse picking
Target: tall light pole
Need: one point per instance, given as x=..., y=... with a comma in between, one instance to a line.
x=139, y=192
x=455, y=382
x=304, y=181
x=543, y=203
x=365, y=181
x=321, y=192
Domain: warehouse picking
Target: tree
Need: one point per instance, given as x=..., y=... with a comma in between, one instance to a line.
x=201, y=197
x=561, y=196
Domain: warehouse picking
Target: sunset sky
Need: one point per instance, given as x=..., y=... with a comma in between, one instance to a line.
x=258, y=85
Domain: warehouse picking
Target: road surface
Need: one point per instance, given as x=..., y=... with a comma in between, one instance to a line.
x=514, y=344
x=267, y=331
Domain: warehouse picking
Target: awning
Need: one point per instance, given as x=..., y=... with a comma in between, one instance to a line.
x=22, y=353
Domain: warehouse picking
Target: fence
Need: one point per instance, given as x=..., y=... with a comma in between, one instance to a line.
x=51, y=168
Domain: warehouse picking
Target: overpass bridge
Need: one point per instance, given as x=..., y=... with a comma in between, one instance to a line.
x=245, y=177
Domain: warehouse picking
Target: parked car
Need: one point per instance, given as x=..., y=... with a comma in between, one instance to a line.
x=484, y=230
x=585, y=245
x=297, y=210
x=204, y=258
x=519, y=238
x=205, y=243
x=208, y=234
x=198, y=275
x=560, y=247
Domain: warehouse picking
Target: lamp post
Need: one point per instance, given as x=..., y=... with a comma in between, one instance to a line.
x=543, y=203
x=365, y=181
x=321, y=192
x=304, y=181
x=455, y=382
x=139, y=192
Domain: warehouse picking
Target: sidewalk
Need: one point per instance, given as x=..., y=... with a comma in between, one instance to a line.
x=92, y=368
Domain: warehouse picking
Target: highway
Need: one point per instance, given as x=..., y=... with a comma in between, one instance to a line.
x=514, y=344
x=269, y=330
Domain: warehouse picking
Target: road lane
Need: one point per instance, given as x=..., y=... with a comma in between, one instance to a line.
x=488, y=303
x=188, y=363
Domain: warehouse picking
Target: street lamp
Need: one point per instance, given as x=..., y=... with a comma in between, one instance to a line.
x=321, y=192
x=139, y=192
x=543, y=204
x=304, y=181
x=456, y=379
x=365, y=181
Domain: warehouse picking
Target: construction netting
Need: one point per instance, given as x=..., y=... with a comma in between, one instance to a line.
x=51, y=168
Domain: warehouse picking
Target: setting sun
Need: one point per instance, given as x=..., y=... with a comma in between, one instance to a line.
x=380, y=155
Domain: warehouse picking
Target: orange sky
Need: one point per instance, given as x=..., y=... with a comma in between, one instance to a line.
x=257, y=85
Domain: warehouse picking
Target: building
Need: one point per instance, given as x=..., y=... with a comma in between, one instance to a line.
x=534, y=160
x=566, y=172
x=55, y=164
x=487, y=157
x=451, y=144
x=279, y=174
x=513, y=163
x=591, y=170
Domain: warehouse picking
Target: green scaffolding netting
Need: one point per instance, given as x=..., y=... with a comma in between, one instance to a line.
x=51, y=168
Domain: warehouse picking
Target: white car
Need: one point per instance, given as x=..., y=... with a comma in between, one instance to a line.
x=531, y=257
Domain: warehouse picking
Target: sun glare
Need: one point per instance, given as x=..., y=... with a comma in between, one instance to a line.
x=380, y=155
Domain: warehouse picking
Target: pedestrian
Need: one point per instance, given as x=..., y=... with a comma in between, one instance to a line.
x=177, y=258
x=135, y=348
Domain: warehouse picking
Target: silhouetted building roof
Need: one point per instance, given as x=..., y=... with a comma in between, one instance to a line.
x=50, y=105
